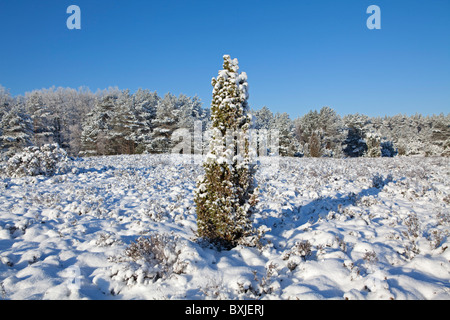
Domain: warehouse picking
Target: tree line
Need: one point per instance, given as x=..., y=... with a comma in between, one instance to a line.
x=114, y=121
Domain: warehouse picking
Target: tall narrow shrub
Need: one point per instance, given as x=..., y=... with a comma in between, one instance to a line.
x=225, y=194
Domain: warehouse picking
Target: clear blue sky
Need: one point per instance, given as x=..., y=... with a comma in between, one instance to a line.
x=299, y=54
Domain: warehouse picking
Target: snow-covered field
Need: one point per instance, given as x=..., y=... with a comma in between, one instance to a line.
x=335, y=229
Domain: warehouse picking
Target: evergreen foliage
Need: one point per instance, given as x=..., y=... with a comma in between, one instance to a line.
x=354, y=144
x=16, y=131
x=288, y=145
x=41, y=118
x=225, y=196
x=115, y=122
x=94, y=138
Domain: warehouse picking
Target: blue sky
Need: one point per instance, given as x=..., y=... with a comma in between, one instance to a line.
x=299, y=54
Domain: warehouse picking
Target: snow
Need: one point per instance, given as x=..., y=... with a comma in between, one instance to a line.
x=329, y=228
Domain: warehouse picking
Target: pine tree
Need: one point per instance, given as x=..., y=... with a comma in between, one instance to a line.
x=326, y=126
x=41, y=117
x=95, y=136
x=6, y=101
x=264, y=124
x=373, y=143
x=226, y=195
x=145, y=103
x=190, y=115
x=288, y=145
x=355, y=145
x=123, y=125
x=305, y=128
x=190, y=110
x=264, y=119
x=441, y=134
x=314, y=148
x=16, y=131
x=388, y=149
x=167, y=112
x=331, y=132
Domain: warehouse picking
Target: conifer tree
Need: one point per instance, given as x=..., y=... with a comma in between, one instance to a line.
x=95, y=135
x=123, y=125
x=355, y=145
x=288, y=145
x=145, y=103
x=373, y=143
x=226, y=194
x=165, y=124
x=314, y=147
x=16, y=131
x=41, y=117
x=264, y=119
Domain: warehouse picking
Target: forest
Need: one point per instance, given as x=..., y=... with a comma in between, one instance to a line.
x=114, y=121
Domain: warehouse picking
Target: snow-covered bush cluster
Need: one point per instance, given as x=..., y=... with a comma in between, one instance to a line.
x=32, y=161
x=149, y=259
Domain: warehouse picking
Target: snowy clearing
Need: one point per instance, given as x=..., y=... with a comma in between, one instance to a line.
x=335, y=229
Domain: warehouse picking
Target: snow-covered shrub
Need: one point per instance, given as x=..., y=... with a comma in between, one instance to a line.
x=225, y=195
x=148, y=259
x=46, y=160
x=107, y=239
x=412, y=234
x=370, y=257
x=298, y=253
x=378, y=181
x=260, y=286
x=436, y=238
x=301, y=249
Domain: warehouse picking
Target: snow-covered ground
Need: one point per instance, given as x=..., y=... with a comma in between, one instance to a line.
x=335, y=229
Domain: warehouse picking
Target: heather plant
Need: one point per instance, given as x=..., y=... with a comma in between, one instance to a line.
x=148, y=259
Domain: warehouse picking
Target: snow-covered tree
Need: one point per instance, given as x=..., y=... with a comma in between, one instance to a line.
x=388, y=149
x=41, y=117
x=123, y=125
x=165, y=123
x=145, y=103
x=77, y=104
x=268, y=134
x=190, y=111
x=192, y=114
x=95, y=136
x=225, y=195
x=6, y=101
x=263, y=118
x=355, y=144
x=288, y=144
x=79, y=120
x=305, y=127
x=321, y=131
x=440, y=135
x=313, y=148
x=331, y=132
x=68, y=108
x=373, y=143
x=16, y=131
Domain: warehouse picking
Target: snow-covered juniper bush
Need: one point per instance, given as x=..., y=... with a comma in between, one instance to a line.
x=225, y=195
